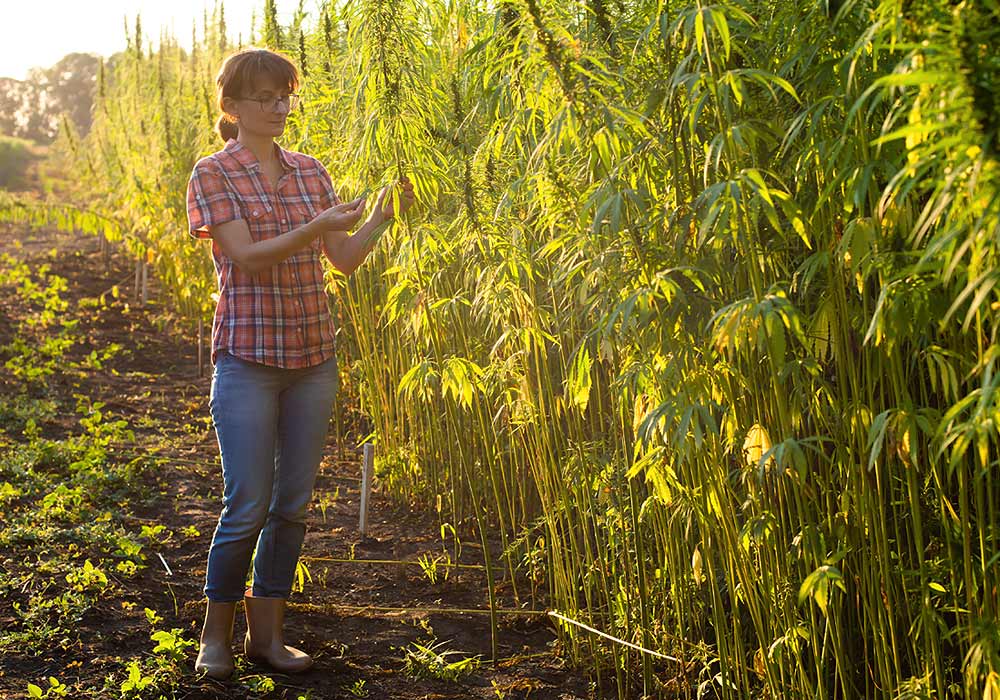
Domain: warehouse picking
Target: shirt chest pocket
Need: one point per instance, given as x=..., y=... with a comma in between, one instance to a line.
x=288, y=215
x=305, y=211
x=301, y=213
x=267, y=219
x=260, y=216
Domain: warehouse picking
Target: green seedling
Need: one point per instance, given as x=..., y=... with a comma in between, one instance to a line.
x=301, y=576
x=259, y=684
x=430, y=567
x=324, y=501
x=55, y=689
x=137, y=680
x=432, y=660
x=358, y=689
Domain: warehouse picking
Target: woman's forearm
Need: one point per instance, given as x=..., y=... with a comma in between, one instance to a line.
x=346, y=252
x=252, y=257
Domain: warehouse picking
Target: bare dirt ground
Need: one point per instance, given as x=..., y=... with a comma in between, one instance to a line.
x=357, y=619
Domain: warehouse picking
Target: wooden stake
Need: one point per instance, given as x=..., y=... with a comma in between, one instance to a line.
x=366, y=486
x=145, y=282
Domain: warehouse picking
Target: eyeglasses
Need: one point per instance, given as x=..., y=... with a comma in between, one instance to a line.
x=270, y=104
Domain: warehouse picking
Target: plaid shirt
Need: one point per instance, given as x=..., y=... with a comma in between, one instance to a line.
x=279, y=316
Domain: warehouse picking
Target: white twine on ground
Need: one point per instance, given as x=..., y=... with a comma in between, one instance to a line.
x=169, y=572
x=599, y=633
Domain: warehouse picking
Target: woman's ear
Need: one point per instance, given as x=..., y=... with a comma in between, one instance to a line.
x=230, y=107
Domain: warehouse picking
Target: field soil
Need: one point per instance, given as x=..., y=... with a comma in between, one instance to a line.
x=358, y=620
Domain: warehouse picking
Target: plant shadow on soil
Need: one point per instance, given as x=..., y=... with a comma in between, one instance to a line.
x=359, y=648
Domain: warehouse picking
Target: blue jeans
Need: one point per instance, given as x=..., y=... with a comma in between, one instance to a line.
x=271, y=424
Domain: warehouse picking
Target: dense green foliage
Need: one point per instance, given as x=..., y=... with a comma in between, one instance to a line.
x=697, y=309
x=15, y=156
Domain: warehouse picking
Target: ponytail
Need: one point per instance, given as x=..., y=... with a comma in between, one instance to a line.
x=226, y=128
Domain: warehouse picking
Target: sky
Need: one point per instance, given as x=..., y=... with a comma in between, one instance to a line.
x=37, y=33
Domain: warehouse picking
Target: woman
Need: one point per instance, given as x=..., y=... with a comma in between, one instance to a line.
x=270, y=214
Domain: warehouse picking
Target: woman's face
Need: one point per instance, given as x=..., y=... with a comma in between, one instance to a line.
x=263, y=110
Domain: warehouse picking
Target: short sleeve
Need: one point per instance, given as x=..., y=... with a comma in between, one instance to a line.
x=210, y=200
x=328, y=197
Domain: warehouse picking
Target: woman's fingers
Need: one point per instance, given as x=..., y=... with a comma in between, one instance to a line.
x=385, y=205
x=353, y=205
x=344, y=215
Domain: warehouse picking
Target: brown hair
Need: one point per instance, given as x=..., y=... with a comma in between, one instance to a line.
x=239, y=75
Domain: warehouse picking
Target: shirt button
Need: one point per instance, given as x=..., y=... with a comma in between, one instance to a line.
x=256, y=212
x=284, y=221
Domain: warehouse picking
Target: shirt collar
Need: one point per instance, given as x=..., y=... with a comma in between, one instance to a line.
x=248, y=160
x=287, y=163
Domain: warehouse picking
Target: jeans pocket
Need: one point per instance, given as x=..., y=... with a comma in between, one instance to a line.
x=225, y=365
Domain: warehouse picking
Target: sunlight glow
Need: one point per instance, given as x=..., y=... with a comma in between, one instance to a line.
x=38, y=34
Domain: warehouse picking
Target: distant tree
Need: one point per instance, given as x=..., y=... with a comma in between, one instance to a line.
x=32, y=108
x=71, y=85
x=11, y=105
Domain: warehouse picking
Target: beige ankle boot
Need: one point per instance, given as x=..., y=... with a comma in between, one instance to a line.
x=215, y=653
x=265, y=640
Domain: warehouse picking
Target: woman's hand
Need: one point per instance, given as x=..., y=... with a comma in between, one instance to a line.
x=383, y=210
x=341, y=217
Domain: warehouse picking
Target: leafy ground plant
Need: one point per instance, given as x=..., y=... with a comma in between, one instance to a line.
x=433, y=660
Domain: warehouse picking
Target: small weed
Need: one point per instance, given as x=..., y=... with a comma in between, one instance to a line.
x=301, y=576
x=8, y=492
x=260, y=684
x=55, y=689
x=101, y=432
x=152, y=617
x=327, y=500
x=155, y=533
x=87, y=579
x=64, y=503
x=168, y=664
x=131, y=552
x=358, y=689
x=430, y=661
x=136, y=681
x=449, y=529
x=32, y=363
x=53, y=613
x=430, y=567
x=96, y=359
x=171, y=646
